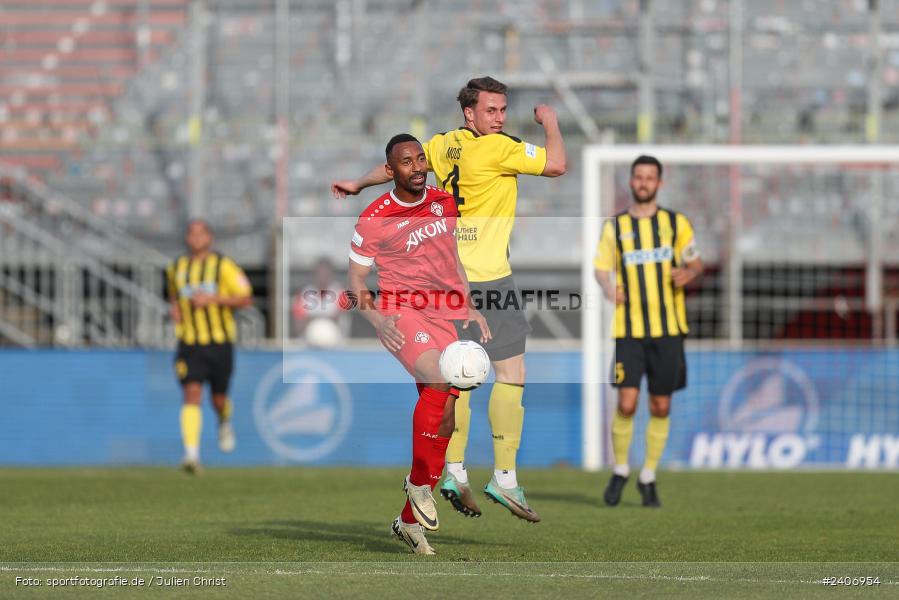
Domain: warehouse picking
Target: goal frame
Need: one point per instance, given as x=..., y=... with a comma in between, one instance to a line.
x=595, y=204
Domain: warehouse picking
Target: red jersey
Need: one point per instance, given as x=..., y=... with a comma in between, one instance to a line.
x=413, y=247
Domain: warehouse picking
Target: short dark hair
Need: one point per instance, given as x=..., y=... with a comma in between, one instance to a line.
x=468, y=96
x=645, y=159
x=399, y=138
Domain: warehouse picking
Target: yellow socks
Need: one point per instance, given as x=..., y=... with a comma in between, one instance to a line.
x=622, y=432
x=506, y=416
x=455, y=452
x=656, y=436
x=191, y=425
x=227, y=409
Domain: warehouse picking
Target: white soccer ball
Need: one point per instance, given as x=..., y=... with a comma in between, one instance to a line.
x=464, y=364
x=322, y=332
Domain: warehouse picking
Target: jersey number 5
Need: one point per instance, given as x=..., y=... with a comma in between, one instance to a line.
x=451, y=184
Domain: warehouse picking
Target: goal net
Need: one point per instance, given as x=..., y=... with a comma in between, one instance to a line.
x=791, y=354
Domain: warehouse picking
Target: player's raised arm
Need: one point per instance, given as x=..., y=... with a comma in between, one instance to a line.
x=376, y=176
x=351, y=187
x=556, y=159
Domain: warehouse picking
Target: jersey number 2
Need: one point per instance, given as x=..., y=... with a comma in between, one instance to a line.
x=452, y=181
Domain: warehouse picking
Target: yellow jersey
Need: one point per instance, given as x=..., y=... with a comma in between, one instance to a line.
x=481, y=171
x=642, y=252
x=216, y=275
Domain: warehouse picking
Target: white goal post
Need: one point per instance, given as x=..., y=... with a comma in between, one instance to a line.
x=598, y=203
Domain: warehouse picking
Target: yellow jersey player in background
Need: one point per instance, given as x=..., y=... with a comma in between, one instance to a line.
x=479, y=163
x=204, y=287
x=652, y=254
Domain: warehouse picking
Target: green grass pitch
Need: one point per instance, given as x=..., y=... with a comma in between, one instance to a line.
x=315, y=532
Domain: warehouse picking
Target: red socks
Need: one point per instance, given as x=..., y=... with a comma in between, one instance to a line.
x=428, y=448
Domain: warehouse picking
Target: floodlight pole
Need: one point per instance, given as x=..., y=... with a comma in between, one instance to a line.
x=280, y=288
x=197, y=199
x=874, y=265
x=143, y=38
x=422, y=93
x=282, y=104
x=646, y=116
x=875, y=87
x=734, y=270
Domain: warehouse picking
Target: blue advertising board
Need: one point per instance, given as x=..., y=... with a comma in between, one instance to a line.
x=777, y=410
x=115, y=407
x=784, y=409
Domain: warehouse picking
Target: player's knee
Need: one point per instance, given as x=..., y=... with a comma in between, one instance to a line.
x=627, y=402
x=511, y=370
x=659, y=407
x=429, y=374
x=627, y=409
x=659, y=411
x=433, y=379
x=193, y=393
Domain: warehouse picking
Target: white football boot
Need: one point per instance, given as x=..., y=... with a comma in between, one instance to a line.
x=423, y=505
x=413, y=535
x=227, y=440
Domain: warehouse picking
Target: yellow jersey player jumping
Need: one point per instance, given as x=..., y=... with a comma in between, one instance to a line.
x=478, y=164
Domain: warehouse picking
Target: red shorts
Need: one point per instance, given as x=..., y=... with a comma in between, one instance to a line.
x=422, y=333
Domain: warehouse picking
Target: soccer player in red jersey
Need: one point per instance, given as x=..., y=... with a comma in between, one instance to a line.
x=408, y=233
x=480, y=164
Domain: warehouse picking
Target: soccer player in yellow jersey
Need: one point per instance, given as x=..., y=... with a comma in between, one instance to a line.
x=479, y=164
x=203, y=288
x=651, y=252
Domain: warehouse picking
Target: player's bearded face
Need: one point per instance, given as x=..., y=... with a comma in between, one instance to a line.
x=645, y=183
x=409, y=167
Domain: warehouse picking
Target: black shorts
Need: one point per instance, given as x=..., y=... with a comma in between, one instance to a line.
x=501, y=304
x=202, y=363
x=661, y=359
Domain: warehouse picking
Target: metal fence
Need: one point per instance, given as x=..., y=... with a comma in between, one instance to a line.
x=68, y=278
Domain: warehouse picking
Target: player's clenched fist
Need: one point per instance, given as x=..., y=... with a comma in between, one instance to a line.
x=544, y=113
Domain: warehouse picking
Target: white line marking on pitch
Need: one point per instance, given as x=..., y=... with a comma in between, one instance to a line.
x=680, y=578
